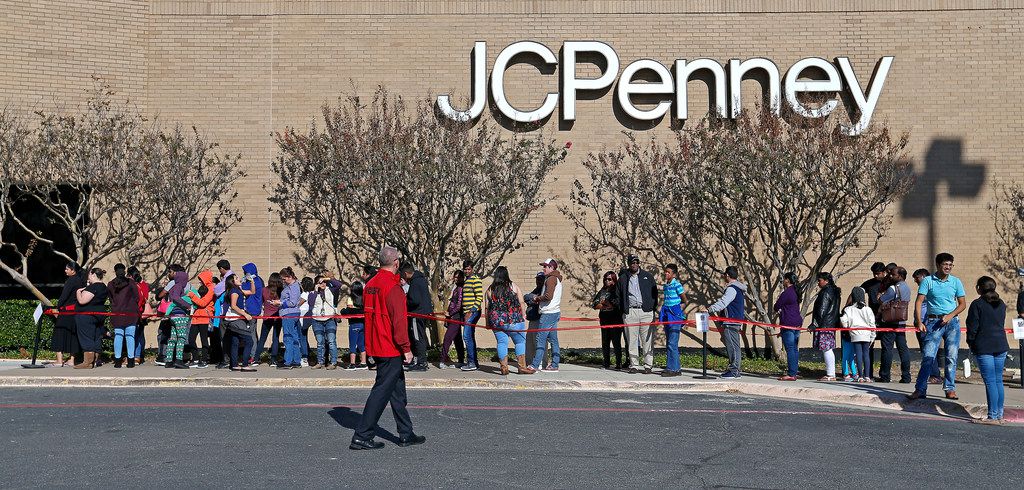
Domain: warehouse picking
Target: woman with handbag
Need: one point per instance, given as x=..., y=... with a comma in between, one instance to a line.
x=893, y=316
x=606, y=301
x=238, y=326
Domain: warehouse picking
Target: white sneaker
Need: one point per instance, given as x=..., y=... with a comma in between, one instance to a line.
x=304, y=363
x=442, y=365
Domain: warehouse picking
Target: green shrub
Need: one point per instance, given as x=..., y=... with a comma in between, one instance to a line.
x=17, y=330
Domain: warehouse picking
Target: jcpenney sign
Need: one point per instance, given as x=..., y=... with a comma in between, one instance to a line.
x=838, y=76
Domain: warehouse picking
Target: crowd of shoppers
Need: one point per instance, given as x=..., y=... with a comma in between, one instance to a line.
x=216, y=321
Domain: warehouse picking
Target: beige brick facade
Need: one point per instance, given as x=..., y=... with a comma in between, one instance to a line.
x=239, y=70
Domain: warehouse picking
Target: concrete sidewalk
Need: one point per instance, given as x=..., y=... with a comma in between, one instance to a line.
x=887, y=396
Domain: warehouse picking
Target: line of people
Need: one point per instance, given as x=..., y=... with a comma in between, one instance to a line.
x=215, y=322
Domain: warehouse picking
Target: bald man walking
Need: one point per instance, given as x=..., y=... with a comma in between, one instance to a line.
x=387, y=340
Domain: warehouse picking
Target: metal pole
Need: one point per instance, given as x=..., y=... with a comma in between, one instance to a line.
x=704, y=357
x=35, y=347
x=1020, y=361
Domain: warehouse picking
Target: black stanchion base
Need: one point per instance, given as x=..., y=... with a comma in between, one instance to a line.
x=32, y=366
x=705, y=376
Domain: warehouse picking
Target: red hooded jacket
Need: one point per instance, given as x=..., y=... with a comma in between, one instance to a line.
x=387, y=329
x=204, y=304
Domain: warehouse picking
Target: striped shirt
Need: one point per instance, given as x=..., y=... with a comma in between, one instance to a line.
x=472, y=294
x=673, y=292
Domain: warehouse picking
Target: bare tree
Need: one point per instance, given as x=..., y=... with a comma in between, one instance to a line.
x=384, y=173
x=760, y=193
x=13, y=155
x=1006, y=254
x=115, y=184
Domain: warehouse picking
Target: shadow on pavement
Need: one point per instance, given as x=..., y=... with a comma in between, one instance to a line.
x=348, y=419
x=930, y=405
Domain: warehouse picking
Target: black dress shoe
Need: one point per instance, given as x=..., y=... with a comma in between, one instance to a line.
x=411, y=441
x=358, y=444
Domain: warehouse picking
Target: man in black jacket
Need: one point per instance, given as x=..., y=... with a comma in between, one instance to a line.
x=418, y=301
x=638, y=296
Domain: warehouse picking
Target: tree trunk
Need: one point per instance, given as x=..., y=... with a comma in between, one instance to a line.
x=21, y=279
x=777, y=349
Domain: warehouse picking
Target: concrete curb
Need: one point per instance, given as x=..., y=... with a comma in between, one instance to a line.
x=883, y=401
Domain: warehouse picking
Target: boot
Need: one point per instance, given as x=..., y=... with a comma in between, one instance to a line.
x=524, y=367
x=504, y=366
x=87, y=360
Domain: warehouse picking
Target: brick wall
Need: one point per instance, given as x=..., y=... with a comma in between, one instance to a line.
x=240, y=70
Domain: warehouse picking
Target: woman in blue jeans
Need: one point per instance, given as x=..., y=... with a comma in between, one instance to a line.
x=503, y=309
x=986, y=318
x=788, y=307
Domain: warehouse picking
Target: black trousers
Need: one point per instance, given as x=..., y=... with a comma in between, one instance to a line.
x=388, y=387
x=611, y=337
x=90, y=332
x=418, y=337
x=163, y=333
x=216, y=346
x=888, y=340
x=203, y=332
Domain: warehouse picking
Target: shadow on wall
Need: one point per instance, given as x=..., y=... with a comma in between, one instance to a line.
x=943, y=164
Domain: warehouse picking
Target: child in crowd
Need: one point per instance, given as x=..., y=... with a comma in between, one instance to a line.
x=861, y=320
x=356, y=326
x=672, y=311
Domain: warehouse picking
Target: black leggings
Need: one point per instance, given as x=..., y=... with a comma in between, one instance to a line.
x=611, y=337
x=203, y=332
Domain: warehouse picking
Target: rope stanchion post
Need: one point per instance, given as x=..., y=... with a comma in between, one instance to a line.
x=35, y=342
x=1018, y=334
x=702, y=323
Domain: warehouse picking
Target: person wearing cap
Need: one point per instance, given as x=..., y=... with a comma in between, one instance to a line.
x=549, y=300
x=638, y=298
x=472, y=299
x=732, y=305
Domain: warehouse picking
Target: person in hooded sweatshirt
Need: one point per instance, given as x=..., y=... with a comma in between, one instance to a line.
x=180, y=312
x=732, y=305
x=419, y=302
x=124, y=307
x=986, y=320
x=252, y=288
x=861, y=320
x=204, y=301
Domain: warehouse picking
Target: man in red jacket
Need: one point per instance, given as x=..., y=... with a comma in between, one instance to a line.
x=387, y=340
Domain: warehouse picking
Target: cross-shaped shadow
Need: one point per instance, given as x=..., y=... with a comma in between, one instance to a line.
x=943, y=163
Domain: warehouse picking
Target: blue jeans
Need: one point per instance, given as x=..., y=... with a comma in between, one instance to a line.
x=991, y=367
x=547, y=320
x=469, y=336
x=936, y=333
x=292, y=347
x=672, y=314
x=140, y=341
x=126, y=336
x=304, y=336
x=849, y=358
x=272, y=325
x=515, y=331
x=326, y=332
x=356, y=338
x=790, y=340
